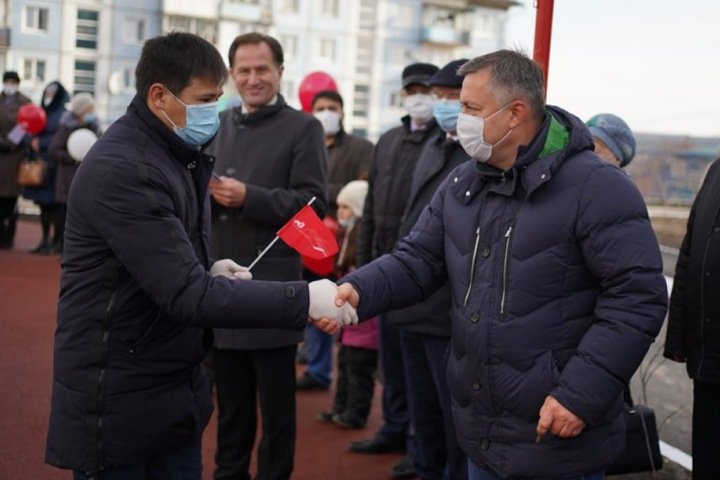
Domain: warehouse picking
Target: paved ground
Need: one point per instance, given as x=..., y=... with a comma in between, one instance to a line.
x=28, y=294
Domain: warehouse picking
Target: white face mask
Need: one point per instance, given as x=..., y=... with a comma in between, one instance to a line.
x=471, y=131
x=10, y=88
x=346, y=222
x=419, y=106
x=330, y=121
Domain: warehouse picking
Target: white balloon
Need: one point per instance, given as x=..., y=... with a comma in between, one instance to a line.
x=79, y=142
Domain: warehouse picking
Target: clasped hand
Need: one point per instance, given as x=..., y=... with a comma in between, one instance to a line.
x=329, y=310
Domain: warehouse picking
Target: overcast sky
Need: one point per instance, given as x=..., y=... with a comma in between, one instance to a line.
x=656, y=63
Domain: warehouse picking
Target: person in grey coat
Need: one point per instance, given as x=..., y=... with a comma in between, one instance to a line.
x=555, y=279
x=271, y=160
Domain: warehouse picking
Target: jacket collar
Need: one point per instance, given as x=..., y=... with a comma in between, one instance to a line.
x=241, y=118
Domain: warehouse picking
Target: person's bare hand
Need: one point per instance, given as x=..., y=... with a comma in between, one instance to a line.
x=228, y=191
x=346, y=293
x=558, y=420
x=327, y=325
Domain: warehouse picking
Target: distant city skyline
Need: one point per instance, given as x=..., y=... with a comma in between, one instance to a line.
x=656, y=63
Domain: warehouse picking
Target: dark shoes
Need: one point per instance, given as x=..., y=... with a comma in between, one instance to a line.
x=404, y=469
x=326, y=417
x=379, y=444
x=344, y=420
x=307, y=382
x=348, y=420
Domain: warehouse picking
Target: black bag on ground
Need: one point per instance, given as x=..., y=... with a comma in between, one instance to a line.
x=642, y=445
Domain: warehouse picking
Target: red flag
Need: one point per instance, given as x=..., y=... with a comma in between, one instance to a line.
x=308, y=235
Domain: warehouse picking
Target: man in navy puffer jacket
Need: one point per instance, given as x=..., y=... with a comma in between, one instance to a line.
x=555, y=276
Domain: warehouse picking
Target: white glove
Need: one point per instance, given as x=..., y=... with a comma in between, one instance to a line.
x=228, y=268
x=322, y=304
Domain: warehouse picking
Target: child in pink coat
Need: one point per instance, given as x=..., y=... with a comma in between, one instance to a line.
x=357, y=357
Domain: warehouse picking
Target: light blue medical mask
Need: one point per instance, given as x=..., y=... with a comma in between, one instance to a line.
x=446, y=114
x=201, y=122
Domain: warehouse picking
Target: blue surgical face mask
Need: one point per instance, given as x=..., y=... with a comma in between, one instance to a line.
x=89, y=118
x=201, y=122
x=446, y=114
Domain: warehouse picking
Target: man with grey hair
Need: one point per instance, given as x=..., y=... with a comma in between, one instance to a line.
x=555, y=276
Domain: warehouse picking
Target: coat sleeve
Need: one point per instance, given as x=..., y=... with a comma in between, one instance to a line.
x=308, y=178
x=675, y=335
x=411, y=273
x=367, y=232
x=620, y=250
x=58, y=146
x=135, y=210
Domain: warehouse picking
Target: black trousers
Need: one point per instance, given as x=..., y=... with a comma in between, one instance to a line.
x=243, y=379
x=8, y=221
x=356, y=381
x=706, y=431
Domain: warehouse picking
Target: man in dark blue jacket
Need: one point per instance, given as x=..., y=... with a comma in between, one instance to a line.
x=130, y=398
x=555, y=280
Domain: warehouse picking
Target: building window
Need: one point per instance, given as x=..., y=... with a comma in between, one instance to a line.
x=36, y=19
x=84, y=78
x=134, y=30
x=326, y=49
x=87, y=29
x=33, y=70
x=289, y=45
x=329, y=8
x=206, y=29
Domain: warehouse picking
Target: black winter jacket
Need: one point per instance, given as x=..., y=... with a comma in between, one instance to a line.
x=439, y=157
x=280, y=154
x=396, y=155
x=557, y=289
x=135, y=293
x=694, y=321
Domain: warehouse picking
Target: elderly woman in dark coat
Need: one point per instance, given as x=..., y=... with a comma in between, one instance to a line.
x=81, y=115
x=54, y=99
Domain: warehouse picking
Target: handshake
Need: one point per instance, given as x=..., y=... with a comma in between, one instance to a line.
x=324, y=297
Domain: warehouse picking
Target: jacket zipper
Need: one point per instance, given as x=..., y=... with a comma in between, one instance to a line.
x=101, y=376
x=472, y=266
x=508, y=237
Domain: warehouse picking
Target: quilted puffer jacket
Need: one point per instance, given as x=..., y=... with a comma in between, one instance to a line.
x=557, y=289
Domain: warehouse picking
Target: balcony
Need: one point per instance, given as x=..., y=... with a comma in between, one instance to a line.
x=4, y=37
x=443, y=35
x=244, y=12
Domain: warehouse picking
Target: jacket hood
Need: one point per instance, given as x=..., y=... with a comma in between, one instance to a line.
x=58, y=101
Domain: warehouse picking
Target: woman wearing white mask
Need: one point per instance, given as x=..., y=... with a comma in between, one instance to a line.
x=81, y=115
x=10, y=156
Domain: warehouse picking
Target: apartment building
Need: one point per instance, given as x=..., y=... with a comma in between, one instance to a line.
x=93, y=45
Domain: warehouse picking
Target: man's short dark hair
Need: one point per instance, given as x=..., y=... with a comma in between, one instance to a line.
x=513, y=75
x=329, y=94
x=175, y=60
x=253, y=38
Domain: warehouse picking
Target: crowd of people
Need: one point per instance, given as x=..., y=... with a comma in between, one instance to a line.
x=497, y=272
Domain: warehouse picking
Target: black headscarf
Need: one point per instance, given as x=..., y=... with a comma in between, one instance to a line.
x=58, y=101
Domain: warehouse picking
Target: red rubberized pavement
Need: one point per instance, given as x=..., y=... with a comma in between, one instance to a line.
x=28, y=299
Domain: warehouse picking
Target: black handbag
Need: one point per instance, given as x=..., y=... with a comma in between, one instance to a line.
x=642, y=445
